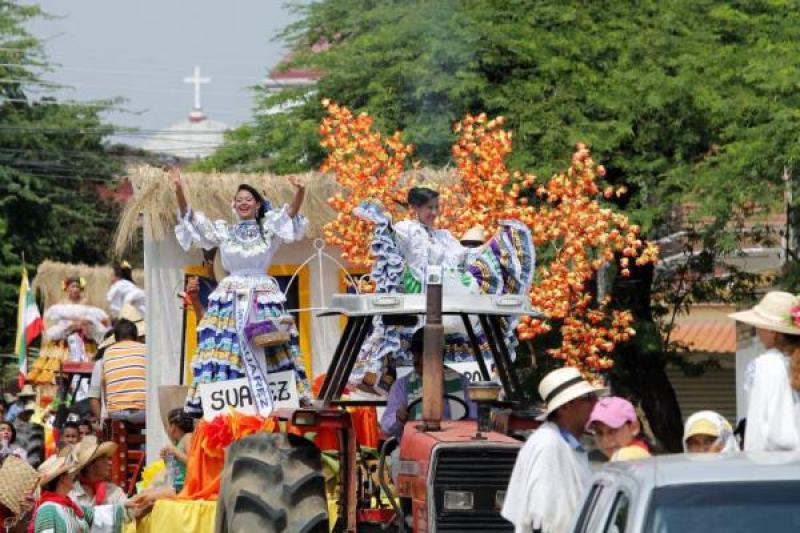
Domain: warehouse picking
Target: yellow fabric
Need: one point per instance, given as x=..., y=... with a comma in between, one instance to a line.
x=175, y=516
x=303, y=326
x=701, y=426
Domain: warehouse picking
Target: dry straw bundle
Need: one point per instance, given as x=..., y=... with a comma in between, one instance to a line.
x=153, y=205
x=50, y=276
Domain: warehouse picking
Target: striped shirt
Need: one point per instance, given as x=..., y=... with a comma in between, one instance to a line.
x=124, y=374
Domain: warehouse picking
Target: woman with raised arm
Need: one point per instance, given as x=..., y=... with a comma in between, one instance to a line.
x=403, y=251
x=123, y=290
x=247, y=298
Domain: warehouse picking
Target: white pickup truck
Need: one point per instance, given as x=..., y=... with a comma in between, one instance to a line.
x=687, y=493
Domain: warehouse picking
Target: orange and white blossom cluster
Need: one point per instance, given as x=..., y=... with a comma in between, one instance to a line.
x=366, y=165
x=565, y=214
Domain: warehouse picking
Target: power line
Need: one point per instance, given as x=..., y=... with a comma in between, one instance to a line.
x=175, y=73
x=106, y=106
x=132, y=131
x=70, y=85
x=62, y=176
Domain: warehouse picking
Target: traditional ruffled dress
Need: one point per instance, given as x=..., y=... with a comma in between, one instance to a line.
x=402, y=253
x=61, y=345
x=124, y=292
x=247, y=294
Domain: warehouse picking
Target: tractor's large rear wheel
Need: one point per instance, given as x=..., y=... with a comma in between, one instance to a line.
x=274, y=485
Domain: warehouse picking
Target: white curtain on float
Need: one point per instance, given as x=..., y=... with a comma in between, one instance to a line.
x=163, y=264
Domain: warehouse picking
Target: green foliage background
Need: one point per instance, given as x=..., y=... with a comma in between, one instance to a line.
x=53, y=159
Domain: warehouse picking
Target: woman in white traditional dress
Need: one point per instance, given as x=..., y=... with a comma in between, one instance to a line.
x=403, y=252
x=73, y=328
x=124, y=291
x=247, y=295
x=772, y=380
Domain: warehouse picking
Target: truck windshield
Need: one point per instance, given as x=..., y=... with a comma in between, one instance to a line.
x=725, y=507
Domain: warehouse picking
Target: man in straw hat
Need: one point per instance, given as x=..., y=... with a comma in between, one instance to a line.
x=772, y=380
x=25, y=396
x=17, y=482
x=56, y=510
x=552, y=468
x=94, y=472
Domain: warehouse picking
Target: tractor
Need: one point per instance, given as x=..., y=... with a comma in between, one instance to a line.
x=452, y=475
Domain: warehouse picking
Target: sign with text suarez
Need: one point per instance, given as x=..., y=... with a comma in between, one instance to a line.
x=218, y=398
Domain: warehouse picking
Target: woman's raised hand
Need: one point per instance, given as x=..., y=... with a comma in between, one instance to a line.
x=299, y=193
x=296, y=182
x=175, y=176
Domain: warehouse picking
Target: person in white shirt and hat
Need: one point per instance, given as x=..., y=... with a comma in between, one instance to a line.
x=772, y=380
x=552, y=468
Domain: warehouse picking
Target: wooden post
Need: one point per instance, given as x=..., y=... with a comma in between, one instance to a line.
x=432, y=364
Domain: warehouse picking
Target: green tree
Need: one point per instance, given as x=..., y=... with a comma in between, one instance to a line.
x=682, y=101
x=53, y=164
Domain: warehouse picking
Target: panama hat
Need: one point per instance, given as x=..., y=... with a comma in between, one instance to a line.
x=562, y=386
x=170, y=397
x=17, y=480
x=773, y=312
x=57, y=465
x=475, y=236
x=88, y=449
x=26, y=392
x=130, y=312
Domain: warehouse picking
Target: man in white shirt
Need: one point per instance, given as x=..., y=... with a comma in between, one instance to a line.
x=552, y=468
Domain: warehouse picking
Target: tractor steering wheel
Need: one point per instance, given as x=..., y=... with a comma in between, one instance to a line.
x=447, y=397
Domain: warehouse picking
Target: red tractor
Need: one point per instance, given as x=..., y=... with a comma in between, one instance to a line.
x=452, y=475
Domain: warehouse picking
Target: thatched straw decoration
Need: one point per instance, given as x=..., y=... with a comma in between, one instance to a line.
x=153, y=205
x=50, y=275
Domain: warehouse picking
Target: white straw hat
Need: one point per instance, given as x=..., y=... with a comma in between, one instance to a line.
x=773, y=312
x=474, y=234
x=562, y=386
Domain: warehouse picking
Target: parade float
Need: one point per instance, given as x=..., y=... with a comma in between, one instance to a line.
x=565, y=212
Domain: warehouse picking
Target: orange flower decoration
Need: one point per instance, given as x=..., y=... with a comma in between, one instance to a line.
x=565, y=214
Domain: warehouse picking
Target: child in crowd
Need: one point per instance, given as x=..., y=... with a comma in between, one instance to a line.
x=616, y=430
x=70, y=434
x=176, y=453
x=708, y=432
x=85, y=428
x=8, y=441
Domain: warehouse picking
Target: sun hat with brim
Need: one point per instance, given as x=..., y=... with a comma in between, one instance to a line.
x=55, y=466
x=108, y=341
x=170, y=397
x=130, y=312
x=26, y=392
x=17, y=480
x=562, y=386
x=88, y=449
x=474, y=235
x=773, y=312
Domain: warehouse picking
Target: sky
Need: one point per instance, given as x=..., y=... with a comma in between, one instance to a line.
x=142, y=50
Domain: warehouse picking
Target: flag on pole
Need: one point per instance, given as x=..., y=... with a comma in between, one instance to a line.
x=29, y=325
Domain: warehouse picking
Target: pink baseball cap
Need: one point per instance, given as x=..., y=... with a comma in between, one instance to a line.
x=612, y=411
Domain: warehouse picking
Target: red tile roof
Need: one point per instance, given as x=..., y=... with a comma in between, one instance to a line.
x=706, y=334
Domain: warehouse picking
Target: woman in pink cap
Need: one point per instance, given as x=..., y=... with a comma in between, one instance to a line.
x=616, y=430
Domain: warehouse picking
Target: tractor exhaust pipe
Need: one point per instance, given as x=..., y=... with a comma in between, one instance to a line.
x=432, y=364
